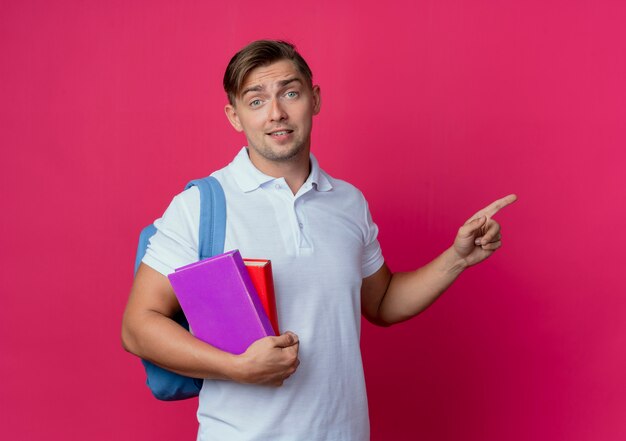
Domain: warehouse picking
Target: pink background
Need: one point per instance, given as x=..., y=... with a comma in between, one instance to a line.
x=432, y=108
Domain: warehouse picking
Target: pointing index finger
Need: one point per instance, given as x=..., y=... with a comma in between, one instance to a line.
x=491, y=209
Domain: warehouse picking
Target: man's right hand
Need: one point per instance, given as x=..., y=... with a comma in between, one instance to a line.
x=269, y=361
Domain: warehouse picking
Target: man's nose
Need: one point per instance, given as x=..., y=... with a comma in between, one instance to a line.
x=277, y=111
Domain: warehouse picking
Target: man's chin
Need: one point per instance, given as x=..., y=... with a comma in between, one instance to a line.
x=284, y=154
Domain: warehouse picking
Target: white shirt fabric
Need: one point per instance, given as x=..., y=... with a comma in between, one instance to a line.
x=322, y=242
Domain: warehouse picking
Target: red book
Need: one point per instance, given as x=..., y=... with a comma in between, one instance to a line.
x=260, y=271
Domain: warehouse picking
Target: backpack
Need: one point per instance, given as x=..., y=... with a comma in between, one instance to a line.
x=166, y=385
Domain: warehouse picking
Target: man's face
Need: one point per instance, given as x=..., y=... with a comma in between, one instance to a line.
x=275, y=111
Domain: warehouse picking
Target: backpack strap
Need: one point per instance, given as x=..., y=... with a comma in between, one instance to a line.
x=163, y=384
x=212, y=216
x=144, y=239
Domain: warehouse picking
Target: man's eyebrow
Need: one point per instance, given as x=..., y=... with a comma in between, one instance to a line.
x=256, y=88
x=259, y=88
x=283, y=83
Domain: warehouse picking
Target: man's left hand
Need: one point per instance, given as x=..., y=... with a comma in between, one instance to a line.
x=480, y=236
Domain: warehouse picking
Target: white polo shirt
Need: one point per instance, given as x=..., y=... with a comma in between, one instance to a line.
x=322, y=243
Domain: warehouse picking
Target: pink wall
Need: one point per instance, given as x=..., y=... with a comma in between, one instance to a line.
x=433, y=108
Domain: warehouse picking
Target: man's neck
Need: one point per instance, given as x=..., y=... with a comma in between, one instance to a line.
x=294, y=171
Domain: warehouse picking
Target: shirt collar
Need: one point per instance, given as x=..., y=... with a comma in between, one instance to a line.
x=317, y=177
x=249, y=178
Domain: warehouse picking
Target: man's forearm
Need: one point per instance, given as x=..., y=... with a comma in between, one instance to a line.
x=410, y=293
x=156, y=338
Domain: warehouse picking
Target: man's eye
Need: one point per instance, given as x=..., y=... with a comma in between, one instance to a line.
x=292, y=94
x=255, y=103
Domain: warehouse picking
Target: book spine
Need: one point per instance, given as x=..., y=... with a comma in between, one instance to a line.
x=264, y=283
x=264, y=321
x=271, y=296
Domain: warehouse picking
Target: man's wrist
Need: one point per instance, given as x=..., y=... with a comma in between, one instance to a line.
x=231, y=367
x=237, y=368
x=219, y=365
x=453, y=263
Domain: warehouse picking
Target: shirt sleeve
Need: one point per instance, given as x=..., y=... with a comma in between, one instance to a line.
x=175, y=243
x=372, y=254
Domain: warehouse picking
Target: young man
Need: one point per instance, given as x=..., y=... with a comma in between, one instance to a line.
x=327, y=262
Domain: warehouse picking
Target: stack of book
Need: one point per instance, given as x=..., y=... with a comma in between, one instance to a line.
x=229, y=302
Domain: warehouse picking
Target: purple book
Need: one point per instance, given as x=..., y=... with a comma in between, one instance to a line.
x=220, y=302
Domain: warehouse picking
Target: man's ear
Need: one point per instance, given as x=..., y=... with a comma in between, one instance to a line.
x=231, y=114
x=317, y=100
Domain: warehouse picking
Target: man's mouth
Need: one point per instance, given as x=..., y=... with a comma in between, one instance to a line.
x=278, y=133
